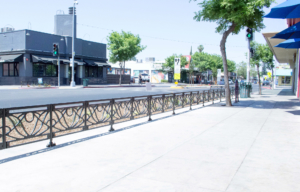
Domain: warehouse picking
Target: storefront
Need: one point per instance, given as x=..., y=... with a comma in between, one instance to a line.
x=30, y=59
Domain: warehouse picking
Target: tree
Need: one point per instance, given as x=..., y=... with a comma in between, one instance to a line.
x=200, y=48
x=123, y=47
x=257, y=58
x=232, y=16
x=242, y=69
x=267, y=58
x=205, y=61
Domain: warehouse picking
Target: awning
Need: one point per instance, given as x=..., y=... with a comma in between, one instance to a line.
x=11, y=58
x=284, y=72
x=78, y=62
x=282, y=55
x=97, y=63
x=48, y=59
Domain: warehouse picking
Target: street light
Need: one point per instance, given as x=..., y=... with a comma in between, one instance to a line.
x=73, y=40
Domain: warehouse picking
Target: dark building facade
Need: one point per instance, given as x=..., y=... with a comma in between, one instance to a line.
x=26, y=56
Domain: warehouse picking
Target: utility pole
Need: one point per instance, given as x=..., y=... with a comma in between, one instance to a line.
x=250, y=38
x=73, y=46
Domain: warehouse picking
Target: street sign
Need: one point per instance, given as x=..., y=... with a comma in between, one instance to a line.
x=219, y=75
x=177, y=68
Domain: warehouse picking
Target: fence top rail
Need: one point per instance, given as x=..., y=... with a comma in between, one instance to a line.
x=103, y=100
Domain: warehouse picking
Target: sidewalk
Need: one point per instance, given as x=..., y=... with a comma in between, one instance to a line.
x=253, y=146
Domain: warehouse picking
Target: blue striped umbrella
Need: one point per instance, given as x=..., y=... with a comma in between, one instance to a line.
x=290, y=44
x=287, y=10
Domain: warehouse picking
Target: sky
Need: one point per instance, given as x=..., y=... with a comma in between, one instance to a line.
x=166, y=27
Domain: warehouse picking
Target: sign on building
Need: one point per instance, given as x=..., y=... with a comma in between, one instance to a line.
x=177, y=69
x=219, y=75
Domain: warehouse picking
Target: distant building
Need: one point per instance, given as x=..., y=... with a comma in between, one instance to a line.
x=150, y=59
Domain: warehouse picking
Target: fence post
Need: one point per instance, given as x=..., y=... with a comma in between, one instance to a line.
x=220, y=95
x=174, y=103
x=198, y=97
x=2, y=114
x=112, y=102
x=50, y=111
x=183, y=98
x=208, y=95
x=149, y=107
x=163, y=104
x=131, y=108
x=203, y=97
x=191, y=100
x=86, y=104
x=213, y=96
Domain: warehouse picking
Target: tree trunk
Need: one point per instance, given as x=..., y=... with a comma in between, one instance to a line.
x=224, y=58
x=272, y=79
x=259, y=84
x=120, y=80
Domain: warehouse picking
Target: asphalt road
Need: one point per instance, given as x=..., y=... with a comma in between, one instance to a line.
x=32, y=97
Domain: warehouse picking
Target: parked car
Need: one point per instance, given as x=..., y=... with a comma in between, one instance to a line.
x=266, y=82
x=222, y=82
x=145, y=78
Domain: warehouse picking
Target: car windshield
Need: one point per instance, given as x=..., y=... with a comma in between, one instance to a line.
x=144, y=74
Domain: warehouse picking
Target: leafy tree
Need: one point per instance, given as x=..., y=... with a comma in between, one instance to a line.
x=232, y=16
x=205, y=61
x=267, y=58
x=257, y=59
x=200, y=48
x=123, y=47
x=242, y=70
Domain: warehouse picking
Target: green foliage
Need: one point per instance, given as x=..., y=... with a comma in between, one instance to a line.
x=242, y=70
x=243, y=13
x=262, y=54
x=123, y=46
x=200, y=48
x=169, y=64
x=205, y=61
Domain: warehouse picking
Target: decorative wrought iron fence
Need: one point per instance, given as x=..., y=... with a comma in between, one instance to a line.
x=23, y=125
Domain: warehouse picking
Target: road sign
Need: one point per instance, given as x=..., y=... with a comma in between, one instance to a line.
x=177, y=68
x=269, y=74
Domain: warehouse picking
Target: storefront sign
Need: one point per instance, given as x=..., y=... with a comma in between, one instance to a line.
x=177, y=68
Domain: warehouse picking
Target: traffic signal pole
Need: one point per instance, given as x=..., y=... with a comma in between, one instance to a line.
x=248, y=64
x=58, y=64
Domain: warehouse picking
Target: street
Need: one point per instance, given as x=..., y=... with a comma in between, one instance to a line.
x=31, y=97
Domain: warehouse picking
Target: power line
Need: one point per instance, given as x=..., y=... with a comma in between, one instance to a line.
x=179, y=41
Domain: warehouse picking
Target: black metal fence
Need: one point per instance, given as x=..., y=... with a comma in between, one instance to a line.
x=25, y=125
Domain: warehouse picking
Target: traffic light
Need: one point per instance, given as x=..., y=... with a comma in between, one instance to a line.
x=249, y=34
x=55, y=49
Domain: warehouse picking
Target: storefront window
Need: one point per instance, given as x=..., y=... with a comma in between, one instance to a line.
x=11, y=69
x=285, y=80
x=93, y=71
x=44, y=70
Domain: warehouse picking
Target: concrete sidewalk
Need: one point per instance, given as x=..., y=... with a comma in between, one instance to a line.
x=253, y=146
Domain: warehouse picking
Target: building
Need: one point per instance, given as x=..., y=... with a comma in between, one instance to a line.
x=26, y=56
x=289, y=56
x=284, y=77
x=153, y=69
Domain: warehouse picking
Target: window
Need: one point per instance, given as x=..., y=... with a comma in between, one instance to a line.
x=11, y=69
x=44, y=70
x=285, y=80
x=93, y=71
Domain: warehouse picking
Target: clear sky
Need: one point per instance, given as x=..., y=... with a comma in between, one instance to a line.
x=165, y=26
